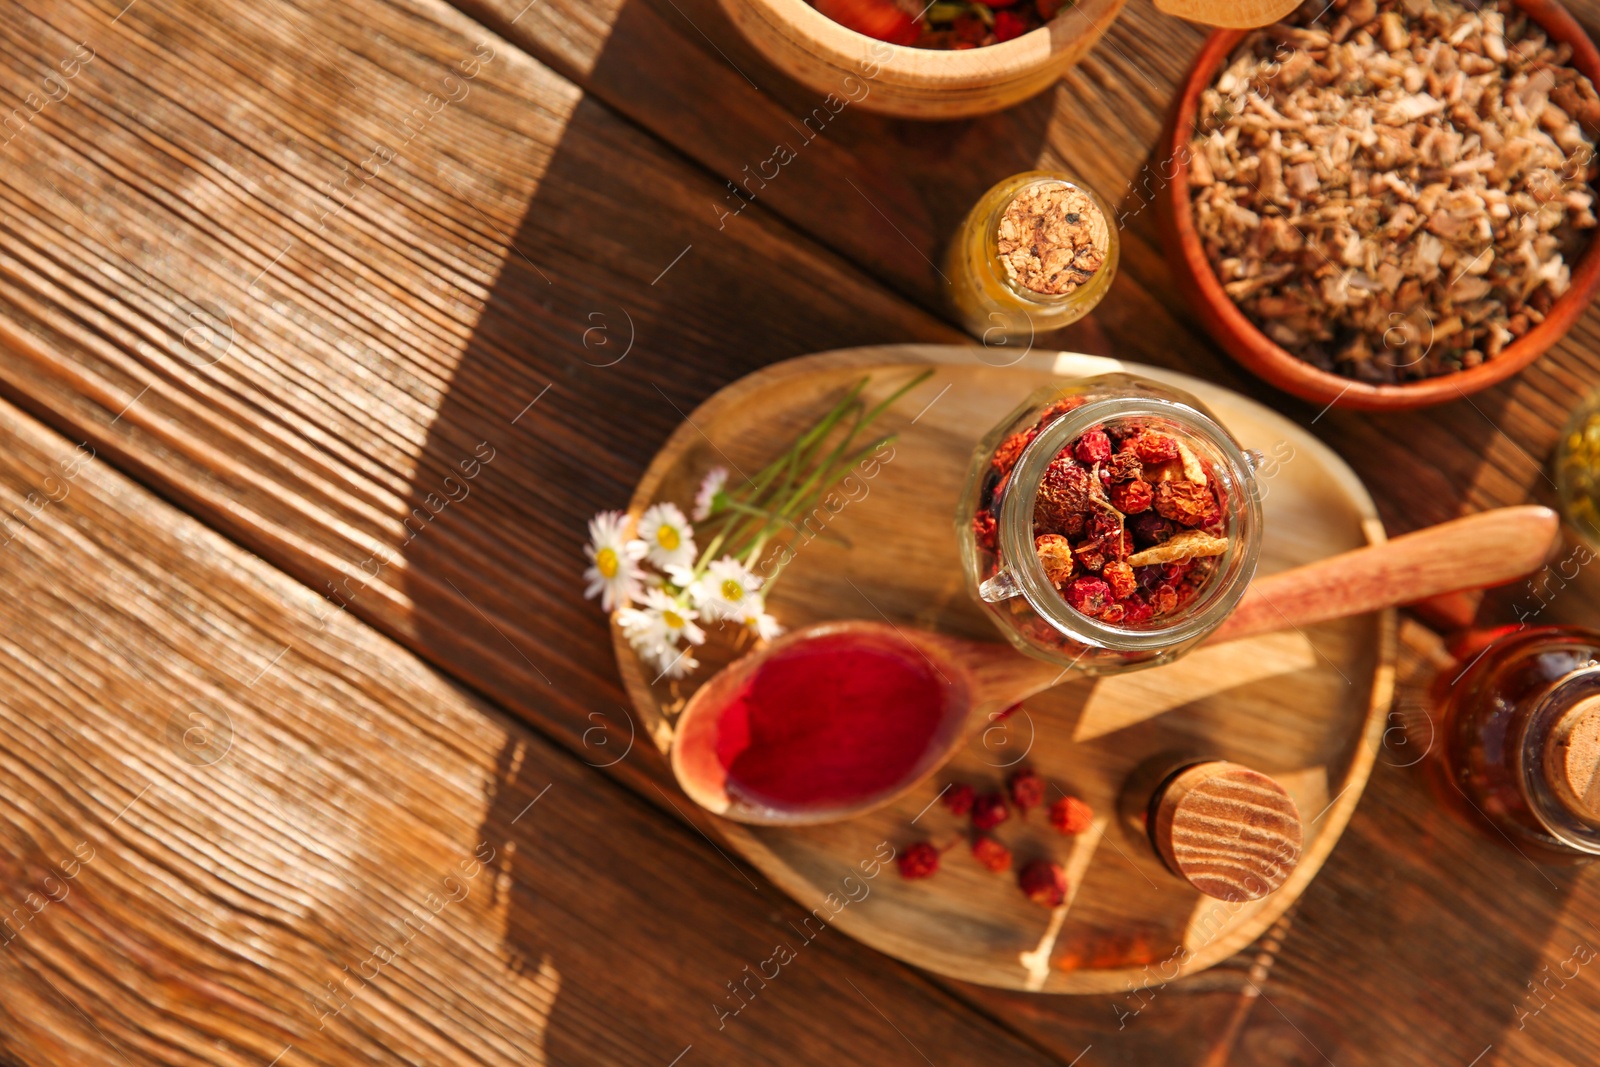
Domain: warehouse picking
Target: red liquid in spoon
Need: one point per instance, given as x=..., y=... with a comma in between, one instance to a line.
x=829, y=721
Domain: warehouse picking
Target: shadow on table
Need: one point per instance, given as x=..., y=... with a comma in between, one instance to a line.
x=620, y=304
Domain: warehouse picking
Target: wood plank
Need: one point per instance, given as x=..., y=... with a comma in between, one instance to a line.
x=215, y=811
x=406, y=374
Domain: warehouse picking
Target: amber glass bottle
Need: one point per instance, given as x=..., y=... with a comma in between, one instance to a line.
x=1519, y=718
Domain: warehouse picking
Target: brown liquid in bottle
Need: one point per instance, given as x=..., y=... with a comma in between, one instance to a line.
x=1519, y=722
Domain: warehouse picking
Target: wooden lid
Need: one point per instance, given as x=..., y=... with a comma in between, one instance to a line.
x=1572, y=759
x=1231, y=832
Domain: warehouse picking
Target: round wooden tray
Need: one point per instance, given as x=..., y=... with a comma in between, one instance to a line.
x=1306, y=707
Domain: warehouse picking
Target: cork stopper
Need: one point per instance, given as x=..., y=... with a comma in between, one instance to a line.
x=1053, y=238
x=1231, y=832
x=1572, y=759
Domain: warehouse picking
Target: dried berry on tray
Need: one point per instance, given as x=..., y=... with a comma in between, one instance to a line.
x=1071, y=815
x=951, y=25
x=1044, y=883
x=1396, y=190
x=919, y=860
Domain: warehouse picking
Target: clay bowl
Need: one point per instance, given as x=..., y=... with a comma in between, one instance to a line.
x=1247, y=344
x=847, y=68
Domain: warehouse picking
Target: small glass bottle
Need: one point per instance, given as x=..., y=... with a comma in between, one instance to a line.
x=1231, y=832
x=1577, y=466
x=999, y=541
x=1519, y=722
x=1036, y=253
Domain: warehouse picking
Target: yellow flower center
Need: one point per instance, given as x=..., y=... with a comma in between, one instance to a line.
x=606, y=560
x=667, y=537
x=732, y=590
x=673, y=620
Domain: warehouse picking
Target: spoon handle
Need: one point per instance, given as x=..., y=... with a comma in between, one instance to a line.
x=1487, y=549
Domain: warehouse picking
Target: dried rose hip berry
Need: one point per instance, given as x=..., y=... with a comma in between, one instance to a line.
x=1044, y=883
x=1090, y=556
x=1102, y=526
x=1009, y=25
x=1071, y=815
x=1136, y=610
x=1055, y=556
x=989, y=811
x=1010, y=450
x=1093, y=447
x=1089, y=595
x=1164, y=601
x=1148, y=529
x=992, y=854
x=1130, y=498
x=985, y=529
x=1123, y=467
x=1119, y=576
x=919, y=860
x=1152, y=447
x=1113, y=612
x=1063, y=492
x=1026, y=789
x=879, y=19
x=958, y=797
x=1183, y=502
x=1066, y=403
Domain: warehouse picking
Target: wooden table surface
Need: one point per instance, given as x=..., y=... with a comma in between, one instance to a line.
x=323, y=330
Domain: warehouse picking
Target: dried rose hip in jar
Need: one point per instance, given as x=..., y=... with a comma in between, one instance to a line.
x=1093, y=503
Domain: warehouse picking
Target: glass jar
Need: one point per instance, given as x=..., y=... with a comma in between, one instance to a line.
x=1578, y=469
x=1174, y=606
x=991, y=302
x=1520, y=725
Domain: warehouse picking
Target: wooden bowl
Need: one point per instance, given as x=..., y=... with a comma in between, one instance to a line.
x=851, y=69
x=1247, y=344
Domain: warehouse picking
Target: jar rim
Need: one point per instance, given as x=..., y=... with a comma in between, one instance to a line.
x=1016, y=534
x=1092, y=291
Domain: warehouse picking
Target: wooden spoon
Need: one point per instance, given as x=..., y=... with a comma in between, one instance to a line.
x=981, y=679
x=1229, y=14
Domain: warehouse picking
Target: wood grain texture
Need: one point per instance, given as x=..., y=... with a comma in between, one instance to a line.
x=234, y=833
x=1306, y=706
x=1479, y=551
x=1231, y=832
x=380, y=321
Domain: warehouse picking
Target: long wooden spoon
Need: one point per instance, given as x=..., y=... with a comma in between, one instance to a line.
x=980, y=679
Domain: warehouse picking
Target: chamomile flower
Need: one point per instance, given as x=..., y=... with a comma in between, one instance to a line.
x=674, y=662
x=665, y=530
x=615, y=577
x=711, y=486
x=726, y=589
x=758, y=621
x=663, y=621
